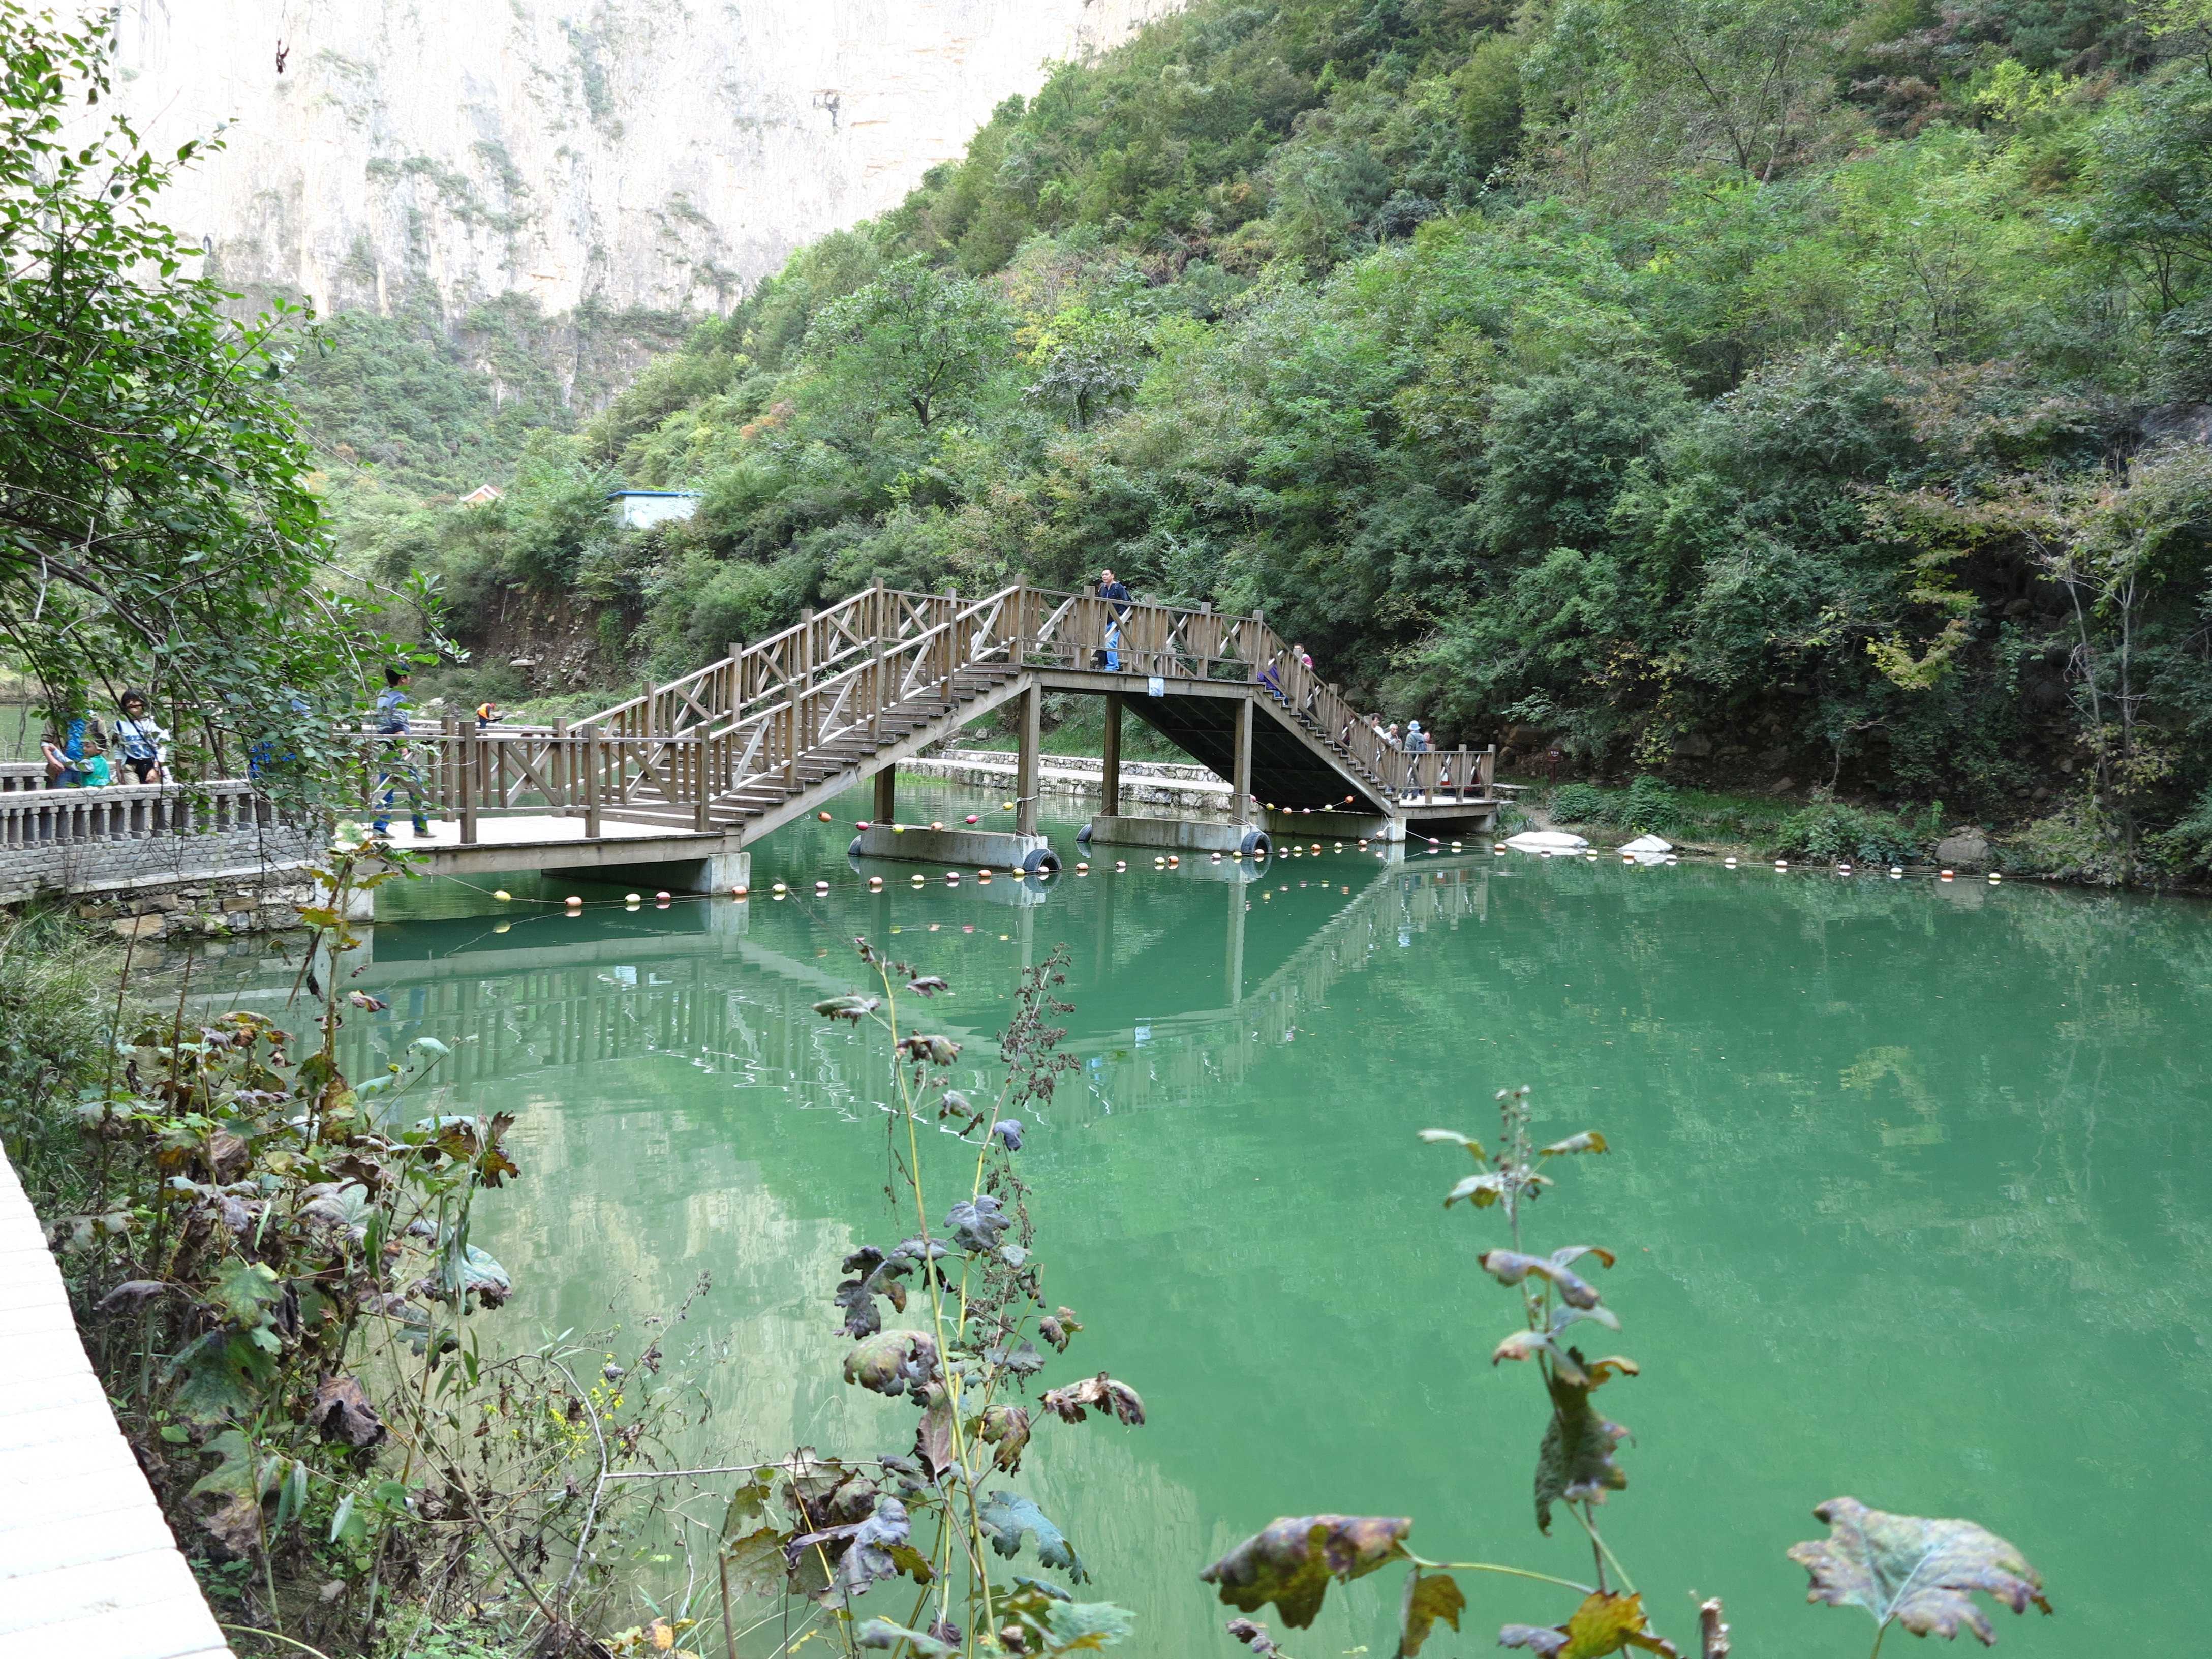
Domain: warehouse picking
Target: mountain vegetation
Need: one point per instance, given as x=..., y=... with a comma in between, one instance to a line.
x=1815, y=391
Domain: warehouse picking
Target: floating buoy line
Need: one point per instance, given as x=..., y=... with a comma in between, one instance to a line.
x=575, y=904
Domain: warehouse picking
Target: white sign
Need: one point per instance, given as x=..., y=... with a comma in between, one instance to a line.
x=1157, y=686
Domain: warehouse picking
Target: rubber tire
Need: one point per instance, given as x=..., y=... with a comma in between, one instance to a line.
x=1041, y=862
x=1257, y=841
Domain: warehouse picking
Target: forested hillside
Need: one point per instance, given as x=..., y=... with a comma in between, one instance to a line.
x=1738, y=389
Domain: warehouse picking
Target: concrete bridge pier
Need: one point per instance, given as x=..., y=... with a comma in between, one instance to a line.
x=717, y=872
x=961, y=849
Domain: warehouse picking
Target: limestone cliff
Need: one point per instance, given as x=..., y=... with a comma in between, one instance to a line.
x=653, y=153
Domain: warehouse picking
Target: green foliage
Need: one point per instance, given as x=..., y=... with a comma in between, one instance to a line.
x=1830, y=831
x=1580, y=803
x=155, y=510
x=1748, y=390
x=272, y=1268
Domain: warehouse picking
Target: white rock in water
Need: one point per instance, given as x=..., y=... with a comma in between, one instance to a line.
x=1545, y=840
x=1649, y=844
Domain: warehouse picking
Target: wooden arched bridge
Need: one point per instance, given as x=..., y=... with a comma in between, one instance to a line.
x=776, y=728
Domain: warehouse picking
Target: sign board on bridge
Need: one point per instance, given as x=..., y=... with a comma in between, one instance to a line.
x=1157, y=686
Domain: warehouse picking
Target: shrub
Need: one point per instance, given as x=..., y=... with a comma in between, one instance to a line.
x=1831, y=831
x=1579, y=803
x=1650, y=805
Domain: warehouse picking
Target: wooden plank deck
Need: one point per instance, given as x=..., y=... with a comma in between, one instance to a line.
x=87, y=1566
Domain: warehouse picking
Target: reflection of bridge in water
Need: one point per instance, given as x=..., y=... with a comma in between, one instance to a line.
x=725, y=1002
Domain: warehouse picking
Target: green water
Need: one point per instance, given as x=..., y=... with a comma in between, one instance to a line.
x=1909, y=1185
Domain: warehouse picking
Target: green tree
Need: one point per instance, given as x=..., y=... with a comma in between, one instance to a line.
x=916, y=339
x=155, y=521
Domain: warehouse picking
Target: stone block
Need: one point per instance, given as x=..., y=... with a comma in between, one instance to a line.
x=140, y=926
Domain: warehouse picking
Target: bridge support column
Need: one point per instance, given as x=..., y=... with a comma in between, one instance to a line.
x=717, y=872
x=1025, y=776
x=1109, y=796
x=887, y=795
x=1240, y=778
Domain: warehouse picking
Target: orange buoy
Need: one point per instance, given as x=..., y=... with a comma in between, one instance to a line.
x=574, y=898
x=739, y=892
x=1082, y=869
x=937, y=826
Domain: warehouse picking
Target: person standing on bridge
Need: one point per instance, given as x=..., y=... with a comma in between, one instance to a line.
x=399, y=774
x=1111, y=590
x=140, y=737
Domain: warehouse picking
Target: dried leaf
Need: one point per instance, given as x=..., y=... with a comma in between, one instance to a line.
x=1008, y=1517
x=975, y=1222
x=869, y=1556
x=1510, y=1267
x=1604, y=1624
x=882, y=1633
x=1575, y=1462
x=1255, y=1638
x=1590, y=1141
x=1006, y=1427
x=1428, y=1597
x=755, y=1561
x=875, y=1274
x=1291, y=1563
x=928, y=986
x=1456, y=1139
x=1913, y=1570
x=130, y=1295
x=1483, y=1190
x=891, y=1362
x=342, y=1411
x=1102, y=1391
x=853, y=1007
x=933, y=1437
x=1009, y=1132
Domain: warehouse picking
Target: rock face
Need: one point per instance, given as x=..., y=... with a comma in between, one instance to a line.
x=653, y=153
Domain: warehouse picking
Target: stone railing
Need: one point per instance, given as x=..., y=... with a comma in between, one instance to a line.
x=92, y=841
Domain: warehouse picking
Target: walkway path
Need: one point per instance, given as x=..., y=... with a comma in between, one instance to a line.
x=88, y=1569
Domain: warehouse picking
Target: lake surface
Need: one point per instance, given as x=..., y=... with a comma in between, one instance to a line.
x=1909, y=1182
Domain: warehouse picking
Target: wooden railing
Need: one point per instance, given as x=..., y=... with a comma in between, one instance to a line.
x=838, y=671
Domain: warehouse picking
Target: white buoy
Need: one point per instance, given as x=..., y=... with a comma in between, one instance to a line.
x=1896, y=869
x=777, y=887
x=1728, y=863
x=1782, y=863
x=820, y=886
x=918, y=880
x=633, y=898
x=1995, y=876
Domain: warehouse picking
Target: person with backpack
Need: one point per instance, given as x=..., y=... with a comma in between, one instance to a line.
x=144, y=745
x=399, y=774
